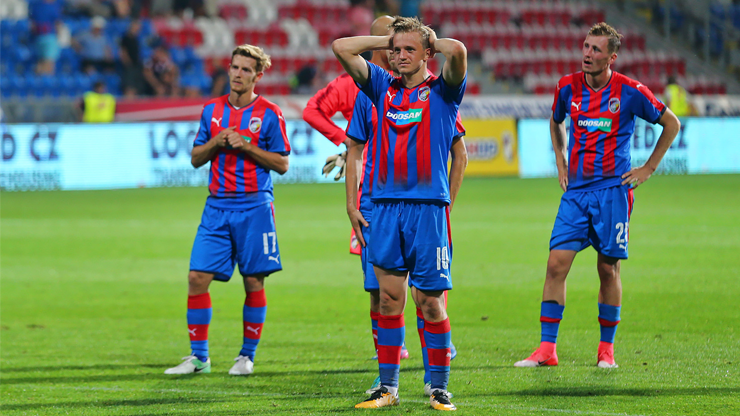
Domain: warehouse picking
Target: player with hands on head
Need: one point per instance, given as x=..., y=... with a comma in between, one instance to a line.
x=597, y=180
x=243, y=137
x=411, y=192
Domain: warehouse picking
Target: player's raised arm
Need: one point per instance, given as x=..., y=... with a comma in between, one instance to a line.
x=671, y=127
x=557, y=135
x=456, y=55
x=348, y=51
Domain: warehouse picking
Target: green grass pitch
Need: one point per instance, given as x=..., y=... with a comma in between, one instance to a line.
x=93, y=301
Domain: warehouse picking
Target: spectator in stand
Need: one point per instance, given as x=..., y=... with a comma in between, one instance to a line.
x=361, y=16
x=219, y=79
x=195, y=6
x=677, y=99
x=88, y=8
x=304, y=82
x=161, y=74
x=410, y=8
x=386, y=8
x=45, y=15
x=130, y=55
x=94, y=49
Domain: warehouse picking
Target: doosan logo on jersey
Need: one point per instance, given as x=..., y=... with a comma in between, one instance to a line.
x=603, y=124
x=405, y=117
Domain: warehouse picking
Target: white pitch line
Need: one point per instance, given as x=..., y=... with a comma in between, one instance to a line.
x=233, y=393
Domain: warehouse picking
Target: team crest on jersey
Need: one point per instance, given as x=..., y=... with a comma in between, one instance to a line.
x=614, y=105
x=255, y=124
x=424, y=93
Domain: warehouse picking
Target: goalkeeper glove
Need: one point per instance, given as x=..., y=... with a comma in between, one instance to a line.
x=338, y=160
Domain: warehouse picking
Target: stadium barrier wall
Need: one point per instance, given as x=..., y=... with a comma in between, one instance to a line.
x=704, y=145
x=114, y=156
x=65, y=110
x=492, y=147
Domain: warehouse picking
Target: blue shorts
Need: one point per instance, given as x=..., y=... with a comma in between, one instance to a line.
x=413, y=237
x=227, y=237
x=598, y=218
x=368, y=272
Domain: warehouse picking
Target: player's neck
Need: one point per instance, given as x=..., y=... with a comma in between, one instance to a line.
x=598, y=81
x=415, y=79
x=242, y=100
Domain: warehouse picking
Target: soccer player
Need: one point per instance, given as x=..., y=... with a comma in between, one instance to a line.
x=361, y=128
x=410, y=234
x=597, y=179
x=243, y=136
x=340, y=96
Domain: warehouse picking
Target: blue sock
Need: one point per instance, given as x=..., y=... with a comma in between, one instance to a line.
x=424, y=353
x=254, y=313
x=199, y=317
x=391, y=333
x=437, y=336
x=550, y=316
x=608, y=319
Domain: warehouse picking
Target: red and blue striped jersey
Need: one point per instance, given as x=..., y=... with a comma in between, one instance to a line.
x=416, y=128
x=602, y=123
x=235, y=180
x=361, y=128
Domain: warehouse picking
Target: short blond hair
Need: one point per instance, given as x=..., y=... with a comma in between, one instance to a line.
x=254, y=52
x=603, y=29
x=409, y=25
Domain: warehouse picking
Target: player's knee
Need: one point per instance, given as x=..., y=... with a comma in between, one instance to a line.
x=198, y=282
x=254, y=283
x=608, y=271
x=556, y=270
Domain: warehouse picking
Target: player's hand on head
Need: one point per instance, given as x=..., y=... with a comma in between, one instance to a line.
x=637, y=176
x=432, y=39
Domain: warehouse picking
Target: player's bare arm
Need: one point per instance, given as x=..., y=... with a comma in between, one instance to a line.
x=352, y=183
x=456, y=58
x=205, y=152
x=671, y=127
x=348, y=51
x=457, y=170
x=270, y=160
x=557, y=135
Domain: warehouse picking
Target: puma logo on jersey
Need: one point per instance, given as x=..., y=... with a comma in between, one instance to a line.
x=390, y=96
x=577, y=106
x=216, y=120
x=444, y=275
x=276, y=258
x=255, y=330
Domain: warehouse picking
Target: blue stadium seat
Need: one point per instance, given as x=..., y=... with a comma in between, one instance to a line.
x=112, y=83
x=22, y=30
x=69, y=61
x=67, y=86
x=205, y=84
x=189, y=80
x=7, y=89
x=7, y=34
x=20, y=86
x=83, y=83
x=147, y=29
x=178, y=56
